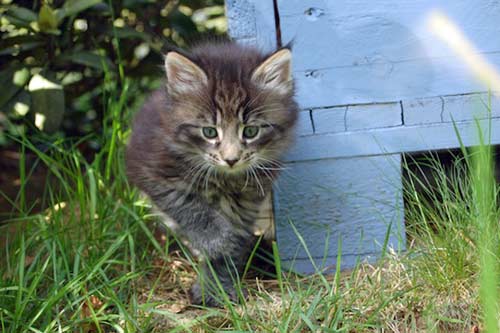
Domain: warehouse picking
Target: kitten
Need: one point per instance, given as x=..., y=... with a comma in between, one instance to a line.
x=206, y=150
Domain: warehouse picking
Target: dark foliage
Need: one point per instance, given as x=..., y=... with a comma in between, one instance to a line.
x=59, y=60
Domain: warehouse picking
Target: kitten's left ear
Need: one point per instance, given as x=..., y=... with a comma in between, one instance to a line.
x=275, y=73
x=183, y=75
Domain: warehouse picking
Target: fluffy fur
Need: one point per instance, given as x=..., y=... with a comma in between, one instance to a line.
x=212, y=187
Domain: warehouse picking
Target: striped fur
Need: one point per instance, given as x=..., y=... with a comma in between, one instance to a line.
x=187, y=175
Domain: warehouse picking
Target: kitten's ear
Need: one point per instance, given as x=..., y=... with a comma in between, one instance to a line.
x=183, y=75
x=275, y=73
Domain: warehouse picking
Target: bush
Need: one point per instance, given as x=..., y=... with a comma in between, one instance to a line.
x=59, y=59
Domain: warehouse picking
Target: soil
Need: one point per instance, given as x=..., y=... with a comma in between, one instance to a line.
x=10, y=183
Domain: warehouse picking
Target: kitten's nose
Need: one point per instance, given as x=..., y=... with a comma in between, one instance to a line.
x=232, y=162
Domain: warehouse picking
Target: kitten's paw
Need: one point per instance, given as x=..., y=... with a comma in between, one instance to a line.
x=200, y=296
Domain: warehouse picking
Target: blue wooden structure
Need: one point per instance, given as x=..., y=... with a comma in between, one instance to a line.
x=373, y=83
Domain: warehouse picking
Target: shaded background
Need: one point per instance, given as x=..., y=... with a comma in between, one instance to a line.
x=61, y=60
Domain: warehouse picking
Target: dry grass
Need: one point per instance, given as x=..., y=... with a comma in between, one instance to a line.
x=389, y=297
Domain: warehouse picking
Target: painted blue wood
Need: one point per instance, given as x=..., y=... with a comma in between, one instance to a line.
x=349, y=52
x=373, y=83
x=423, y=111
x=469, y=106
x=376, y=83
x=252, y=22
x=367, y=116
x=304, y=125
x=391, y=140
x=357, y=200
x=451, y=108
x=330, y=120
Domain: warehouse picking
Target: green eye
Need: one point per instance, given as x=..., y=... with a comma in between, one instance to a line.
x=209, y=132
x=250, y=132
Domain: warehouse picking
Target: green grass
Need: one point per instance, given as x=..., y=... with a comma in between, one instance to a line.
x=92, y=262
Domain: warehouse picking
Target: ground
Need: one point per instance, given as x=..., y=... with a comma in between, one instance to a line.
x=90, y=260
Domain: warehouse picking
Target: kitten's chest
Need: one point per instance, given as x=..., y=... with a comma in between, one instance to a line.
x=239, y=206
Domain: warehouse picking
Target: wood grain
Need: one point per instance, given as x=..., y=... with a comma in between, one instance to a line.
x=355, y=200
x=373, y=82
x=252, y=22
x=348, y=52
x=390, y=140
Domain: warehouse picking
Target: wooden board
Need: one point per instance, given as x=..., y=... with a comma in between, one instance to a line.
x=356, y=200
x=364, y=51
x=373, y=82
x=434, y=130
x=252, y=22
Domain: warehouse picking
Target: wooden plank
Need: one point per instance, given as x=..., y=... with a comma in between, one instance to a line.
x=451, y=108
x=350, y=52
x=349, y=33
x=350, y=199
x=252, y=22
x=366, y=116
x=330, y=120
x=470, y=106
x=357, y=117
x=240, y=16
x=304, y=124
x=328, y=264
x=390, y=140
x=265, y=23
x=383, y=81
x=423, y=110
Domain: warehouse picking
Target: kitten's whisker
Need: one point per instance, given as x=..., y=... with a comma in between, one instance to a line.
x=262, y=167
x=200, y=173
x=267, y=173
x=264, y=111
x=246, y=180
x=273, y=163
x=259, y=185
x=216, y=171
x=193, y=169
x=264, y=106
x=194, y=106
x=192, y=172
x=254, y=99
x=207, y=177
x=198, y=176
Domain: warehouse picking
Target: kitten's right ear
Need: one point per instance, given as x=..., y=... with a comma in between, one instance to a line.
x=183, y=75
x=275, y=73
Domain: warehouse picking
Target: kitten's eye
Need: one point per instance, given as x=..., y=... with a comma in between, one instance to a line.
x=209, y=132
x=250, y=132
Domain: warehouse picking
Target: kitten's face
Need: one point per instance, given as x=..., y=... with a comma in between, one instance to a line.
x=227, y=126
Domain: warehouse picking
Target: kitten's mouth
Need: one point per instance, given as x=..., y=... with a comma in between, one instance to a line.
x=233, y=169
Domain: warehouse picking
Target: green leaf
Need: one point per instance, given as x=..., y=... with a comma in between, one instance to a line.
x=20, y=77
x=15, y=21
x=87, y=59
x=47, y=102
x=182, y=23
x=47, y=19
x=73, y=7
x=15, y=49
x=12, y=81
x=127, y=33
x=19, y=105
x=22, y=14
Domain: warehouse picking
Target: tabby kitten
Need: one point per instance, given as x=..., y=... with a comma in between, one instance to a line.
x=206, y=150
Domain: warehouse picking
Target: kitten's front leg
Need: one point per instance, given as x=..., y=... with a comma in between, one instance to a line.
x=225, y=246
x=227, y=269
